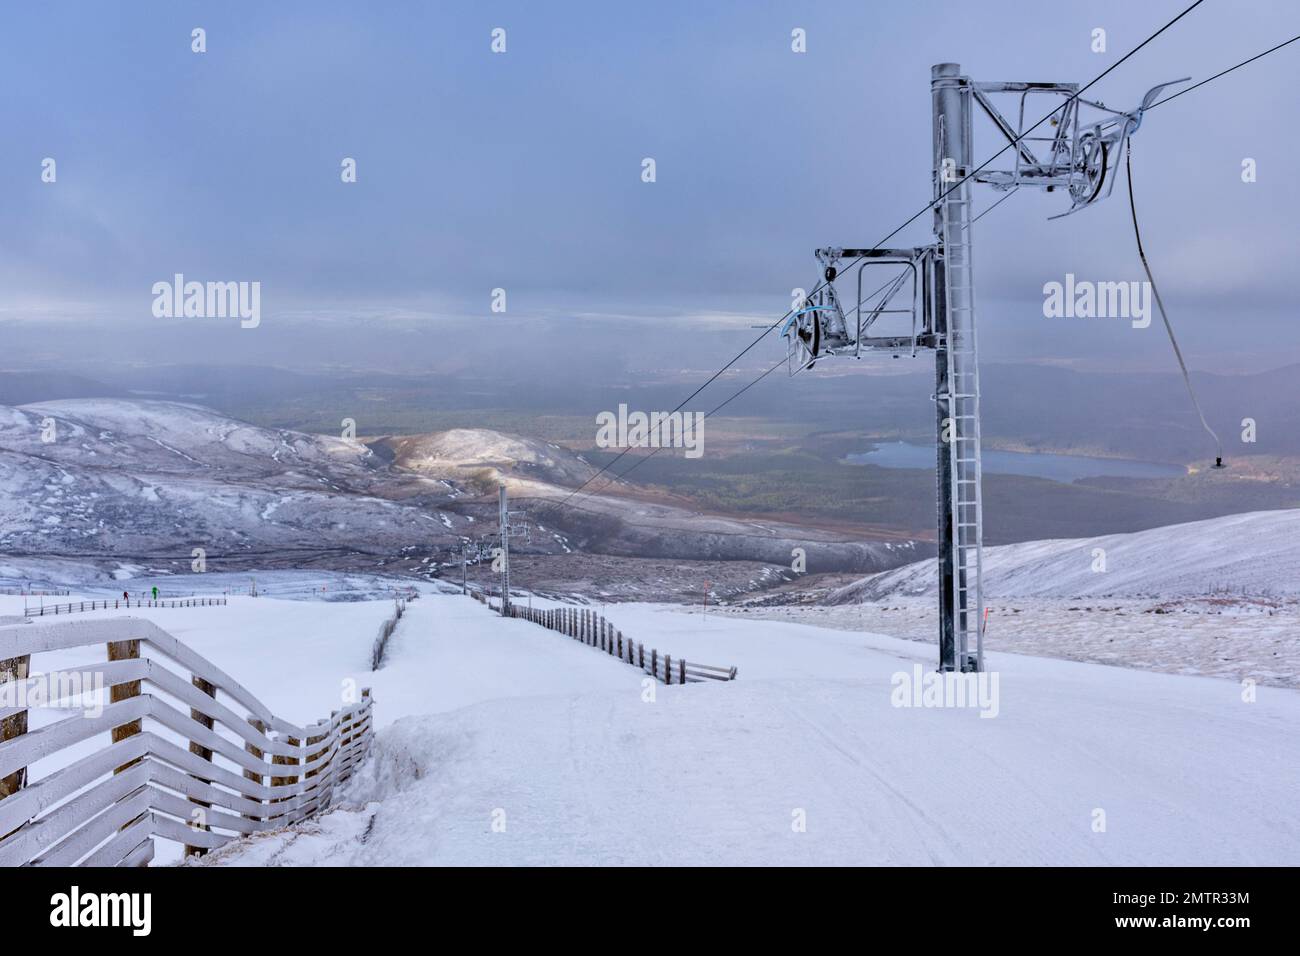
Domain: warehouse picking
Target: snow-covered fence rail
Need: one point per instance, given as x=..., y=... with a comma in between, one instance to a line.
x=385, y=632
x=121, y=772
x=75, y=607
x=583, y=624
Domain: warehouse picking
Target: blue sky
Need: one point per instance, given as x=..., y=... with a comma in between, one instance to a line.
x=522, y=170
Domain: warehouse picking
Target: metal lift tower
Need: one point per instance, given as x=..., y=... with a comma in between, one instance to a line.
x=956, y=381
x=512, y=524
x=1074, y=154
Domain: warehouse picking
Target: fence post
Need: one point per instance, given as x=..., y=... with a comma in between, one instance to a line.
x=362, y=737
x=668, y=668
x=203, y=752
x=682, y=674
x=122, y=651
x=15, y=668
x=320, y=794
x=619, y=638
x=654, y=662
x=282, y=760
x=255, y=751
x=640, y=650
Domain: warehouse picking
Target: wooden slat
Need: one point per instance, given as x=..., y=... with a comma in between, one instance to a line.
x=183, y=783
x=115, y=672
x=191, y=730
x=167, y=751
x=180, y=807
x=168, y=829
x=48, y=791
x=116, y=850
x=100, y=828
x=36, y=744
x=142, y=855
x=184, y=691
x=30, y=840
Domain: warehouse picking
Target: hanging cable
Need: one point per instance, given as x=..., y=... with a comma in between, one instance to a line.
x=1178, y=353
x=762, y=335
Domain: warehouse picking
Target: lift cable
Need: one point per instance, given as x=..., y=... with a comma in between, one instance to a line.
x=1155, y=291
x=717, y=408
x=1257, y=56
x=1137, y=235
x=1016, y=141
x=928, y=206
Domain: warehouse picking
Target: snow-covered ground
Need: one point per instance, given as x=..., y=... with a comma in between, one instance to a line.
x=1252, y=555
x=1229, y=637
x=504, y=743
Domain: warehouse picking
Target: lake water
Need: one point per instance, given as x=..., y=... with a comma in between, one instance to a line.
x=1055, y=467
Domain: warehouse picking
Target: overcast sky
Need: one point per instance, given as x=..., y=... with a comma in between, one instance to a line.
x=522, y=170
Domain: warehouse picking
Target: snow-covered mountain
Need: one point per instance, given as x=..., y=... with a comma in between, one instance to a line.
x=1255, y=554
x=615, y=517
x=470, y=452
x=115, y=478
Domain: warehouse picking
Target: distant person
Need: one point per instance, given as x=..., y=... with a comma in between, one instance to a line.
x=126, y=596
x=155, y=592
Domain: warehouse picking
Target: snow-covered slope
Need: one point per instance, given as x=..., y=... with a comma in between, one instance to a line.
x=466, y=452
x=121, y=479
x=145, y=482
x=504, y=743
x=1256, y=554
x=163, y=438
x=616, y=517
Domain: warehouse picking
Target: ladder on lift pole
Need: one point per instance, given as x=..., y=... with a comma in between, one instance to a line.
x=961, y=516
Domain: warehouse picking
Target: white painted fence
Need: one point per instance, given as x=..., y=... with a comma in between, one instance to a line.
x=123, y=777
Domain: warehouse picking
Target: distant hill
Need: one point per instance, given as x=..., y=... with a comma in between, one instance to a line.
x=19, y=388
x=117, y=478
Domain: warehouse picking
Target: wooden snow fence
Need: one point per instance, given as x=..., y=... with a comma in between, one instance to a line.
x=177, y=749
x=586, y=625
x=75, y=607
x=380, y=649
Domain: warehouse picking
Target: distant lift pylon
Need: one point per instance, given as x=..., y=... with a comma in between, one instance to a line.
x=934, y=285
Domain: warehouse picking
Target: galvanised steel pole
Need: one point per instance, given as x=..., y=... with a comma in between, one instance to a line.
x=960, y=513
x=505, y=552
